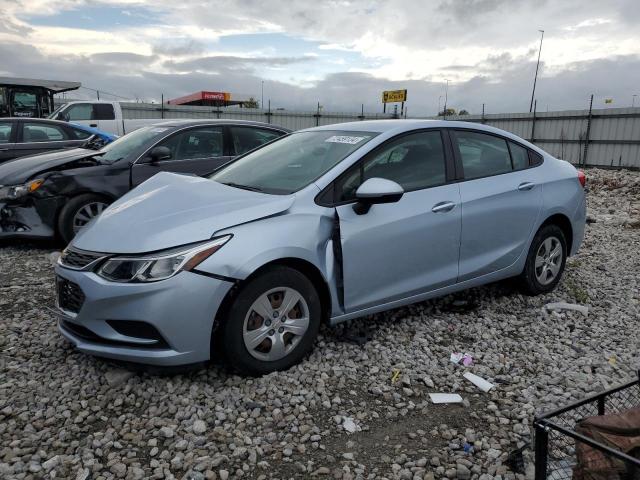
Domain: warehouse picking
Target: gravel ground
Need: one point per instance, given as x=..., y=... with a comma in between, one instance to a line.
x=67, y=415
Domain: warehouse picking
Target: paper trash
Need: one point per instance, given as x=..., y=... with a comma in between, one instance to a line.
x=479, y=382
x=445, y=398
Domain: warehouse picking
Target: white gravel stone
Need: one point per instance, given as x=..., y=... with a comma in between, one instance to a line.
x=98, y=421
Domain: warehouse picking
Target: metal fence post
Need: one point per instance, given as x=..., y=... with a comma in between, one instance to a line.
x=541, y=443
x=586, y=140
x=533, y=123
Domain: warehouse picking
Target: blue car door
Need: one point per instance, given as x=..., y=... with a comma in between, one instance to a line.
x=400, y=249
x=501, y=200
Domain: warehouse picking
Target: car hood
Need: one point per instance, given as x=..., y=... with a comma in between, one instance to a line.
x=21, y=169
x=170, y=210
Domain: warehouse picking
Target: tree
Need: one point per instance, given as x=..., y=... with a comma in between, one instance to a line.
x=448, y=113
x=251, y=103
x=463, y=112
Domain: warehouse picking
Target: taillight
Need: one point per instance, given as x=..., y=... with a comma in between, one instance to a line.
x=582, y=178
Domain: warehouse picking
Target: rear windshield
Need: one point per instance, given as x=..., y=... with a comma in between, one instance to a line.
x=292, y=162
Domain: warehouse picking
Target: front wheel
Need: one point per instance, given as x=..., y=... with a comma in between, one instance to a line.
x=272, y=322
x=545, y=261
x=79, y=211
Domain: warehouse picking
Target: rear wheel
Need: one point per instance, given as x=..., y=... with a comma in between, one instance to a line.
x=79, y=211
x=545, y=261
x=272, y=322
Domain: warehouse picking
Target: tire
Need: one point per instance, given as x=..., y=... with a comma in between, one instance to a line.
x=69, y=218
x=276, y=346
x=543, y=278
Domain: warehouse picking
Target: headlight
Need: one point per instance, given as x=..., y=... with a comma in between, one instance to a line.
x=159, y=266
x=11, y=192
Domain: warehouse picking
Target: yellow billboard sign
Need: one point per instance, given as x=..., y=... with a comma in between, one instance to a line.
x=394, y=96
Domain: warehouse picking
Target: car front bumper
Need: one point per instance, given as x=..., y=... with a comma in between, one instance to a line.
x=29, y=217
x=165, y=323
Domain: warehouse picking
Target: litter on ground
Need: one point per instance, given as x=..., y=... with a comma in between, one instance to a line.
x=479, y=382
x=445, y=398
x=567, y=306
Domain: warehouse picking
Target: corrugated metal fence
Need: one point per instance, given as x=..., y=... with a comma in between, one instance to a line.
x=294, y=120
x=602, y=137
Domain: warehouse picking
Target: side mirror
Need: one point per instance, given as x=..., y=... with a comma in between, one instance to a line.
x=376, y=190
x=159, y=153
x=63, y=117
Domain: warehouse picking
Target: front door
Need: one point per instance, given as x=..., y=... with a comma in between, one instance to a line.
x=501, y=200
x=7, y=140
x=400, y=249
x=198, y=150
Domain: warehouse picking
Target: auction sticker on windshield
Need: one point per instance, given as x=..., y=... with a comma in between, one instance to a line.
x=344, y=139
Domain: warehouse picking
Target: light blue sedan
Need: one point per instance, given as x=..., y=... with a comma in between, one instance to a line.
x=323, y=225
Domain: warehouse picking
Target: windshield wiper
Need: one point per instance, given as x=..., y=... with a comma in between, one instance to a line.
x=243, y=187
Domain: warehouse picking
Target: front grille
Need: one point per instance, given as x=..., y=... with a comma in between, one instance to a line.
x=70, y=295
x=78, y=259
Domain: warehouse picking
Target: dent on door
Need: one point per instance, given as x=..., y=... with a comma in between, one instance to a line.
x=401, y=249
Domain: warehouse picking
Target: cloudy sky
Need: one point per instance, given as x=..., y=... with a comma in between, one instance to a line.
x=340, y=53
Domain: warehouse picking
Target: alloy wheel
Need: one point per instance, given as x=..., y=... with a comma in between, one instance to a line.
x=548, y=260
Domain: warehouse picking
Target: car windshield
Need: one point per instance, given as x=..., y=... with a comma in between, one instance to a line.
x=123, y=146
x=292, y=162
x=54, y=114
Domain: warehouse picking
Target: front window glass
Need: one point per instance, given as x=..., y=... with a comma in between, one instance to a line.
x=195, y=143
x=130, y=142
x=25, y=104
x=482, y=155
x=413, y=161
x=38, y=132
x=80, y=111
x=293, y=162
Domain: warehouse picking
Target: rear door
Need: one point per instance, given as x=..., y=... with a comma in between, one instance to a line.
x=501, y=201
x=104, y=118
x=406, y=248
x=247, y=138
x=7, y=140
x=40, y=136
x=197, y=150
x=24, y=103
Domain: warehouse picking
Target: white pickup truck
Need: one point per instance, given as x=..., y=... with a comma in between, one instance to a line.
x=103, y=115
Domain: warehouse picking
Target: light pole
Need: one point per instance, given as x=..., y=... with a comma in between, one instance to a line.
x=537, y=66
x=439, y=100
x=262, y=95
x=633, y=101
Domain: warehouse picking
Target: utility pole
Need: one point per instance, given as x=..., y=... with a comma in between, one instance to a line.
x=537, y=67
x=439, y=100
x=262, y=95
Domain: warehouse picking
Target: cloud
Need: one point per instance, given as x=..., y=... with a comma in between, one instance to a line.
x=343, y=53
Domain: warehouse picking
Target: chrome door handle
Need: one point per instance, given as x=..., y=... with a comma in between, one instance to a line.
x=443, y=207
x=94, y=125
x=526, y=186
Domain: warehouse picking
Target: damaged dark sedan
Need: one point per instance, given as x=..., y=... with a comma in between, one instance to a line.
x=56, y=194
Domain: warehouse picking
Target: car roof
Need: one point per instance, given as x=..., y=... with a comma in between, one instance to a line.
x=396, y=126
x=215, y=121
x=31, y=119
